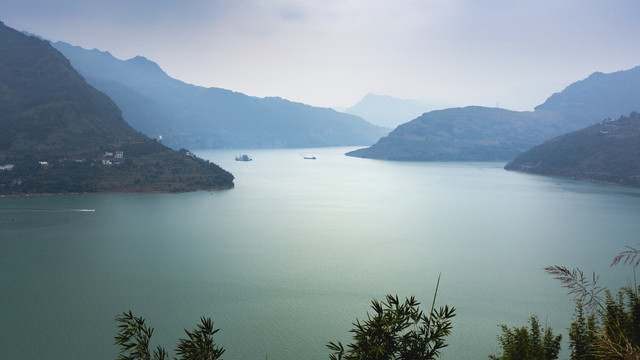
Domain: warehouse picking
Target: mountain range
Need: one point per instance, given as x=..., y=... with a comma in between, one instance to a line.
x=191, y=116
x=61, y=135
x=50, y=115
x=607, y=152
x=489, y=134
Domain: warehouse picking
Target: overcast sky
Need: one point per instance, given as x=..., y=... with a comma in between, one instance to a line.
x=332, y=53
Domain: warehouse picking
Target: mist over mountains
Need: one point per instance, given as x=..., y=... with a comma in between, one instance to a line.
x=492, y=134
x=597, y=97
x=388, y=111
x=184, y=115
x=197, y=117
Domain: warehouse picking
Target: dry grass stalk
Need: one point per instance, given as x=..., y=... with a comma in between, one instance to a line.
x=607, y=348
x=581, y=288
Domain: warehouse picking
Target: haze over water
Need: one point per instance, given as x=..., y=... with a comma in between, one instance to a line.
x=287, y=260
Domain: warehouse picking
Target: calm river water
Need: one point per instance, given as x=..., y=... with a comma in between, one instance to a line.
x=286, y=261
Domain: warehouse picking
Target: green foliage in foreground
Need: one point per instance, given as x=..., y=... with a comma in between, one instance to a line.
x=603, y=328
x=606, y=328
x=134, y=336
x=528, y=343
x=397, y=330
x=582, y=334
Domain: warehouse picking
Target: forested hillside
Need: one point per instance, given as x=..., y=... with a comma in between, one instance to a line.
x=59, y=134
x=607, y=152
x=488, y=134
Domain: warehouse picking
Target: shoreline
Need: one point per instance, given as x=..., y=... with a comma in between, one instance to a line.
x=119, y=192
x=575, y=178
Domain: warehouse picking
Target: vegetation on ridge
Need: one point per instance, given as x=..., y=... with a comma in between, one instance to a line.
x=478, y=133
x=60, y=135
x=472, y=133
x=606, y=152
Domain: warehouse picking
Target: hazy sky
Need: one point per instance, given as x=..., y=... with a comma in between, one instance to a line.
x=332, y=53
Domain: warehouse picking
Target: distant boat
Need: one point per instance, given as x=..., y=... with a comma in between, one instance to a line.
x=308, y=157
x=243, y=157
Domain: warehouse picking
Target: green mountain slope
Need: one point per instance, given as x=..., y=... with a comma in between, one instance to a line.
x=197, y=117
x=488, y=134
x=59, y=134
x=607, y=152
x=464, y=134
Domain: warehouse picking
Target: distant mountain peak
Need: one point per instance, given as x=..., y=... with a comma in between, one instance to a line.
x=94, y=50
x=99, y=58
x=141, y=60
x=389, y=111
x=598, y=96
x=144, y=63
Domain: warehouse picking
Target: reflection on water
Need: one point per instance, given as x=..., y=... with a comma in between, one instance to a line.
x=288, y=259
